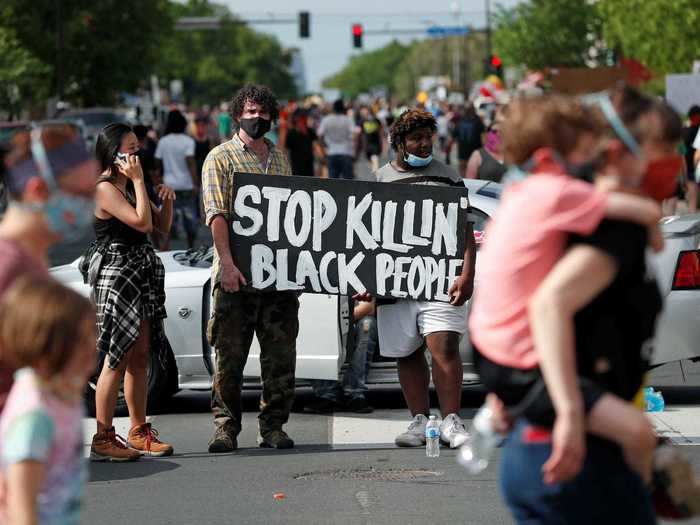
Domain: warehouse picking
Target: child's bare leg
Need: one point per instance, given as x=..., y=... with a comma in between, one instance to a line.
x=626, y=425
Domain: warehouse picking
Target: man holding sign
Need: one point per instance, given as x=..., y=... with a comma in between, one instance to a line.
x=239, y=311
x=406, y=326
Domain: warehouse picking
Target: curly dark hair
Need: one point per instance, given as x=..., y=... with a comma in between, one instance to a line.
x=409, y=121
x=259, y=94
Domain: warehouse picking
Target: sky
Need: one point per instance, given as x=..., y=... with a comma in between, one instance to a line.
x=330, y=45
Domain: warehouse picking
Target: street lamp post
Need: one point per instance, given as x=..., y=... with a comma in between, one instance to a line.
x=456, y=73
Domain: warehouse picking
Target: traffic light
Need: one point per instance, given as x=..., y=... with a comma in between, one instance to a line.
x=357, y=32
x=495, y=65
x=304, y=24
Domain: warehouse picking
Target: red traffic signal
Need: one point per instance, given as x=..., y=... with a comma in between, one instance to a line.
x=357, y=32
x=496, y=61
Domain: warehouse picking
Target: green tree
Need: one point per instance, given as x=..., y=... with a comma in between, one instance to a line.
x=22, y=76
x=215, y=63
x=370, y=70
x=540, y=33
x=398, y=67
x=107, y=46
x=659, y=33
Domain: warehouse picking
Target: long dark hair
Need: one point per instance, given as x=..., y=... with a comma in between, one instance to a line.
x=108, y=143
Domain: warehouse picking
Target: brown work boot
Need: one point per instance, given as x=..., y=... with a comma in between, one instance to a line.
x=144, y=439
x=223, y=441
x=108, y=446
x=275, y=439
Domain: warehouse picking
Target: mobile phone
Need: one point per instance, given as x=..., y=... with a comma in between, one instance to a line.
x=122, y=156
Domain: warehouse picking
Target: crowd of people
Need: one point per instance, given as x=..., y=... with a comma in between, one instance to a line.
x=561, y=332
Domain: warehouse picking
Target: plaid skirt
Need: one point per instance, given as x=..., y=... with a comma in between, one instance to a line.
x=128, y=287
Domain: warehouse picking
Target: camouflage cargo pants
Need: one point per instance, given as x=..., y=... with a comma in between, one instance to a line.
x=273, y=317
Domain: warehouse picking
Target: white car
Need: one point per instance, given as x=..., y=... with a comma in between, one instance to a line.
x=324, y=319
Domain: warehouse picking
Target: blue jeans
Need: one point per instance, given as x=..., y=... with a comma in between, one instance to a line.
x=353, y=385
x=340, y=167
x=605, y=492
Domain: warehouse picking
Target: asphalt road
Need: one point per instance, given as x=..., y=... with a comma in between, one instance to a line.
x=327, y=478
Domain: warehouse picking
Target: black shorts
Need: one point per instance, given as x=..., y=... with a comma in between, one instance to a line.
x=524, y=391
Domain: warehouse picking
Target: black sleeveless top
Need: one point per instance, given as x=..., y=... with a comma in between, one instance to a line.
x=113, y=230
x=490, y=168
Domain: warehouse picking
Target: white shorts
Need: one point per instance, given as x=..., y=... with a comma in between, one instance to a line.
x=403, y=325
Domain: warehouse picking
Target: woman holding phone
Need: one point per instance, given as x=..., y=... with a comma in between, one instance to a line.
x=127, y=282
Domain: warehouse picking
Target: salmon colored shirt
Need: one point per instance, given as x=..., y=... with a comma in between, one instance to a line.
x=523, y=242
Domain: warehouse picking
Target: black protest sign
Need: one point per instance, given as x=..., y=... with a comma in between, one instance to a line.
x=342, y=237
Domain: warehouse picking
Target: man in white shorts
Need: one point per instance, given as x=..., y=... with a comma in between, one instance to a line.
x=406, y=327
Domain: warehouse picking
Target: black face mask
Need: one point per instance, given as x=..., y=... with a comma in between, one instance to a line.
x=256, y=127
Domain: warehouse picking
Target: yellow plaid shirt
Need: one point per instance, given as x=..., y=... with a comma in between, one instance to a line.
x=220, y=166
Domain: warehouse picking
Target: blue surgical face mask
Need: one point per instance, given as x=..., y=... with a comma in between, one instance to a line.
x=69, y=216
x=417, y=162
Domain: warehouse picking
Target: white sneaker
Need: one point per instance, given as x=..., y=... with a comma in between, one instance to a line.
x=453, y=432
x=415, y=433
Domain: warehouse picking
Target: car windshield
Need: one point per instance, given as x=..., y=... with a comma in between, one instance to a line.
x=491, y=189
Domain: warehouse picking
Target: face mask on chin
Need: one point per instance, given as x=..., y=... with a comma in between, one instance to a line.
x=417, y=162
x=256, y=127
x=661, y=179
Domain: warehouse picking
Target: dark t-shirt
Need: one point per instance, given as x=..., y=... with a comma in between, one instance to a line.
x=614, y=333
x=301, y=152
x=371, y=132
x=689, y=135
x=467, y=132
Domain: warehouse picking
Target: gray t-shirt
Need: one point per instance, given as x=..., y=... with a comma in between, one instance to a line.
x=431, y=174
x=337, y=132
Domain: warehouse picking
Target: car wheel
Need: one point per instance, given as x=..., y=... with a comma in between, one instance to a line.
x=162, y=385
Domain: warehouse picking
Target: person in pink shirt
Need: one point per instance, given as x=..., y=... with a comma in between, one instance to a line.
x=558, y=140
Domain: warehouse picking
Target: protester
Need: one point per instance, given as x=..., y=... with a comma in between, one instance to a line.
x=224, y=121
x=551, y=135
x=466, y=132
x=372, y=137
x=339, y=134
x=127, y=282
x=487, y=163
x=605, y=275
x=51, y=200
x=407, y=326
x=239, y=311
x=302, y=143
x=49, y=331
x=443, y=132
x=175, y=156
x=202, y=147
x=351, y=394
x=689, y=134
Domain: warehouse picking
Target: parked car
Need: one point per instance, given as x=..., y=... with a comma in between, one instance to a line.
x=325, y=319
x=92, y=120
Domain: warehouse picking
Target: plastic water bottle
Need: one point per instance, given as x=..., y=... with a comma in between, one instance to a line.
x=654, y=400
x=474, y=455
x=432, y=438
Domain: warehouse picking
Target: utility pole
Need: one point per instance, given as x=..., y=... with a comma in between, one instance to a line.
x=488, y=28
x=456, y=59
x=59, y=50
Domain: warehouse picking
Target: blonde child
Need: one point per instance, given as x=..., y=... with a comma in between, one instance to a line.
x=49, y=331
